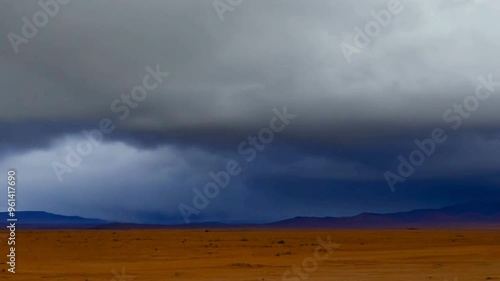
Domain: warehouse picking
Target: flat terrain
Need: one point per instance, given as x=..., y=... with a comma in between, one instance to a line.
x=254, y=255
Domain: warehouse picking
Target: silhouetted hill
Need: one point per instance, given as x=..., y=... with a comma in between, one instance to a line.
x=478, y=214
x=44, y=220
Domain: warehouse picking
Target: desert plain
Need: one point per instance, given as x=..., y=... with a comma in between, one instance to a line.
x=257, y=255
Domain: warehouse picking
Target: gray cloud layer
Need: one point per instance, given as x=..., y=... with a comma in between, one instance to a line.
x=228, y=75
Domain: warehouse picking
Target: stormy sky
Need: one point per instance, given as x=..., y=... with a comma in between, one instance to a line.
x=370, y=84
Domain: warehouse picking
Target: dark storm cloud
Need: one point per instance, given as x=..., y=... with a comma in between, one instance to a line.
x=353, y=119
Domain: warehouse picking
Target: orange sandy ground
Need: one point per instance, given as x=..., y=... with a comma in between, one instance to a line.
x=253, y=255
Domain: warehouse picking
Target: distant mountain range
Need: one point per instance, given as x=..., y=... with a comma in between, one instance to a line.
x=469, y=215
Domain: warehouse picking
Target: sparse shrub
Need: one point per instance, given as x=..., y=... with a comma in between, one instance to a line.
x=242, y=264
